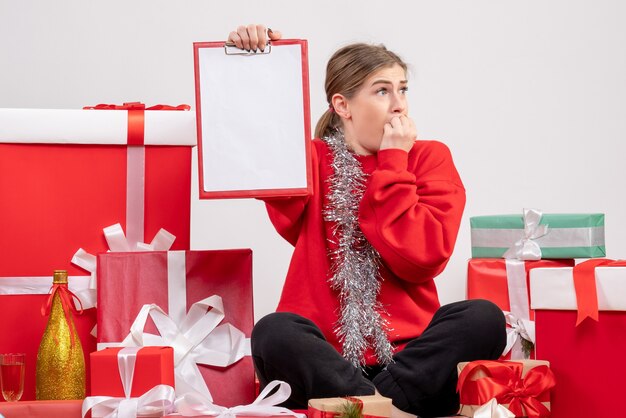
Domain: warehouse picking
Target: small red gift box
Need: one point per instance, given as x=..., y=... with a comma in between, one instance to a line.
x=64, y=176
x=585, y=358
x=505, y=283
x=152, y=366
x=185, y=286
x=521, y=386
x=370, y=406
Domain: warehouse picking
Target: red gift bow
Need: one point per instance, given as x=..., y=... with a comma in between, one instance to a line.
x=585, y=286
x=503, y=381
x=66, y=296
x=316, y=413
x=136, y=117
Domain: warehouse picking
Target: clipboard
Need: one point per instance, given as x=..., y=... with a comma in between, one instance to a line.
x=253, y=120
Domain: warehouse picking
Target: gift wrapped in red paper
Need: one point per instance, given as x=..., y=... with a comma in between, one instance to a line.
x=580, y=319
x=505, y=283
x=199, y=302
x=64, y=176
x=370, y=406
x=521, y=386
x=41, y=409
x=130, y=382
x=153, y=366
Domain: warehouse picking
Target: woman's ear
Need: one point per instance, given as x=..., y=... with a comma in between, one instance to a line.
x=340, y=104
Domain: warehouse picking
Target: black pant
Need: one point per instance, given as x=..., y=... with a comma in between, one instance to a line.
x=421, y=380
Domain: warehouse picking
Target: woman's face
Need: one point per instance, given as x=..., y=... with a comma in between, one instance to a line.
x=381, y=97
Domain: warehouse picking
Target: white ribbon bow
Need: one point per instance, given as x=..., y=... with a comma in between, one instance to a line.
x=117, y=242
x=518, y=328
x=526, y=248
x=158, y=400
x=198, y=339
x=492, y=409
x=193, y=404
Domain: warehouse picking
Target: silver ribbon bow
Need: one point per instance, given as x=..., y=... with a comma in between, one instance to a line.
x=518, y=328
x=526, y=248
x=492, y=409
x=194, y=404
x=197, y=340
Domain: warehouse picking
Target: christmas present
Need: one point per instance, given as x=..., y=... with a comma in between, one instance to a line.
x=521, y=386
x=64, y=176
x=67, y=174
x=152, y=366
x=198, y=302
x=41, y=409
x=534, y=235
x=580, y=317
x=131, y=381
x=369, y=406
x=505, y=283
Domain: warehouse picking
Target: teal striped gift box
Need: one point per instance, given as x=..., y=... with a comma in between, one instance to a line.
x=534, y=235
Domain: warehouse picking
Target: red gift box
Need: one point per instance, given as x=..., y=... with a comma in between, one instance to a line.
x=497, y=279
x=128, y=281
x=586, y=358
x=153, y=366
x=41, y=409
x=522, y=386
x=64, y=176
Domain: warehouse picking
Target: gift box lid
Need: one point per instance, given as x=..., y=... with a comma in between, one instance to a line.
x=76, y=126
x=554, y=220
x=553, y=288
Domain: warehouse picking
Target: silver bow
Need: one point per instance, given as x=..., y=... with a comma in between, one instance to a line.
x=526, y=248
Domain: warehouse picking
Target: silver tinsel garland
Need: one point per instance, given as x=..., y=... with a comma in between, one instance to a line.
x=355, y=262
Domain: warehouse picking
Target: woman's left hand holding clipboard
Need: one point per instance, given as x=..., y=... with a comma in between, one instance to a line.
x=253, y=37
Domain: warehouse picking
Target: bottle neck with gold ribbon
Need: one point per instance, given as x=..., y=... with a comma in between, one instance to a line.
x=60, y=360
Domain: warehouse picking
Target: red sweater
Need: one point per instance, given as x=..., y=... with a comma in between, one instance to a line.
x=410, y=213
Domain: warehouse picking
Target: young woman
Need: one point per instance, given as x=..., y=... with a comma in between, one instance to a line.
x=359, y=310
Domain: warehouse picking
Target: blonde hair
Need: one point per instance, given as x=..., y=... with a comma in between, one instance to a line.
x=346, y=72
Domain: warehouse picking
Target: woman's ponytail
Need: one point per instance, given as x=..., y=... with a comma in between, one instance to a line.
x=326, y=123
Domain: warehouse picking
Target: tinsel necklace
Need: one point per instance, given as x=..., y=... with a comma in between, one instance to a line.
x=355, y=262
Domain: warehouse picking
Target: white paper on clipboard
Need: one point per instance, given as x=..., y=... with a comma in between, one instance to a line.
x=253, y=122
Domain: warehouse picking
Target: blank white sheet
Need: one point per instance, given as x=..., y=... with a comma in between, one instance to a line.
x=252, y=120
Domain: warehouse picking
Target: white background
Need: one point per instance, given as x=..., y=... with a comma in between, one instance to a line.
x=529, y=95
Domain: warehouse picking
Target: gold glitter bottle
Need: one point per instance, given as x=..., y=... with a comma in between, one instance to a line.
x=60, y=360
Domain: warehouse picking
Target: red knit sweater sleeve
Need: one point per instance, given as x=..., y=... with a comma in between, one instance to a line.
x=286, y=216
x=286, y=213
x=411, y=209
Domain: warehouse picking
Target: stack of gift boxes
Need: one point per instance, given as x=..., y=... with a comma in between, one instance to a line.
x=545, y=272
x=105, y=193
x=83, y=190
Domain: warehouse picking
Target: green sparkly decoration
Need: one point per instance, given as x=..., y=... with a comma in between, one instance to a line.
x=527, y=347
x=351, y=409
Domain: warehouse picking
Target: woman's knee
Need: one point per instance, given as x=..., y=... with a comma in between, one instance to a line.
x=481, y=320
x=278, y=331
x=487, y=323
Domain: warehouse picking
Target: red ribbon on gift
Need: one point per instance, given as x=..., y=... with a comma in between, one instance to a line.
x=66, y=296
x=503, y=381
x=585, y=286
x=316, y=413
x=135, y=135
